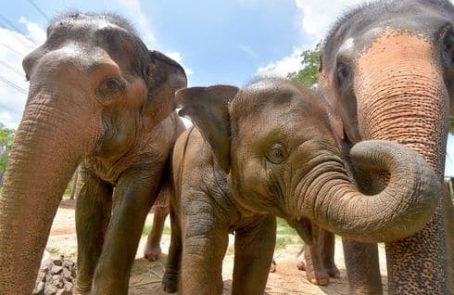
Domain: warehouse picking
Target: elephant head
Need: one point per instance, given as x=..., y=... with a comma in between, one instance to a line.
x=282, y=149
x=95, y=89
x=388, y=68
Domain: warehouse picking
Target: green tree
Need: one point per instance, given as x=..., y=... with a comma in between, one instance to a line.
x=451, y=124
x=6, y=142
x=310, y=62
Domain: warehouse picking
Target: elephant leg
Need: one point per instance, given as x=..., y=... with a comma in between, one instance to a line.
x=327, y=249
x=134, y=194
x=315, y=272
x=254, y=247
x=93, y=209
x=204, y=245
x=314, y=263
x=153, y=247
x=173, y=266
x=363, y=268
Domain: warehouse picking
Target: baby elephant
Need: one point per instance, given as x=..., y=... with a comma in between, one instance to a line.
x=274, y=148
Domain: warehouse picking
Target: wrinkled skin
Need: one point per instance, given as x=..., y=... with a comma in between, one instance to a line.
x=100, y=99
x=152, y=251
x=282, y=149
x=203, y=213
x=388, y=68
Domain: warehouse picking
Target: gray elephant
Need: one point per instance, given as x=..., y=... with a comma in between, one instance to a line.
x=388, y=68
x=99, y=98
x=276, y=149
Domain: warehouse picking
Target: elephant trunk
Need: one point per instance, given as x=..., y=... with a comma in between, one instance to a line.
x=49, y=144
x=401, y=208
x=401, y=97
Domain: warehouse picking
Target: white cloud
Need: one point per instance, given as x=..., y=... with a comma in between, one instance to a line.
x=13, y=48
x=177, y=57
x=35, y=32
x=133, y=10
x=282, y=67
x=315, y=18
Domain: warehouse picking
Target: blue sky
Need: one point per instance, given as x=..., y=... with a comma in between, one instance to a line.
x=221, y=41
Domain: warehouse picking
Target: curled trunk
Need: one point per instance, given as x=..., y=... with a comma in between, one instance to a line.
x=402, y=97
x=402, y=208
x=49, y=144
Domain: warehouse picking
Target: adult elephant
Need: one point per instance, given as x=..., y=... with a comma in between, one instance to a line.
x=99, y=98
x=389, y=69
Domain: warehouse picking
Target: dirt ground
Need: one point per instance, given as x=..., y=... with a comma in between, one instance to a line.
x=146, y=277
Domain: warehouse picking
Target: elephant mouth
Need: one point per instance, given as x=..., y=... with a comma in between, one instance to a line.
x=303, y=227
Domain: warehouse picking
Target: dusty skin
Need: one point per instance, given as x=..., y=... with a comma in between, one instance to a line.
x=145, y=279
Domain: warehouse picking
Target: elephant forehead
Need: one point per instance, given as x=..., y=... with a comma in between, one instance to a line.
x=397, y=51
x=93, y=31
x=348, y=45
x=78, y=21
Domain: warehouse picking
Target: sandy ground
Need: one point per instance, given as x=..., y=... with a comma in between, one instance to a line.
x=287, y=280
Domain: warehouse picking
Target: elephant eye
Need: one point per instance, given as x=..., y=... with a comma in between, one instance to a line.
x=277, y=153
x=344, y=73
x=110, y=86
x=448, y=47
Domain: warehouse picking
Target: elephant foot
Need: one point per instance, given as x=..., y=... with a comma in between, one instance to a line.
x=170, y=282
x=300, y=265
x=316, y=276
x=273, y=266
x=82, y=289
x=152, y=252
x=333, y=271
x=320, y=278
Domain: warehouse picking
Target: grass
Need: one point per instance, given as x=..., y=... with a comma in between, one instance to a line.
x=286, y=235
x=53, y=251
x=283, y=228
x=147, y=229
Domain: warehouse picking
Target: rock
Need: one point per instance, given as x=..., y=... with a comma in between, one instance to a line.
x=39, y=289
x=69, y=287
x=56, y=277
x=56, y=269
x=67, y=274
x=60, y=284
x=50, y=290
x=59, y=261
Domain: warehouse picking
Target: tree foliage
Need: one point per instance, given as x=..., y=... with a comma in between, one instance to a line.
x=6, y=142
x=310, y=62
x=451, y=124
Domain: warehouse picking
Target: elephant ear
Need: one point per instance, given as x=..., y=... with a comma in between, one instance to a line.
x=165, y=77
x=208, y=109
